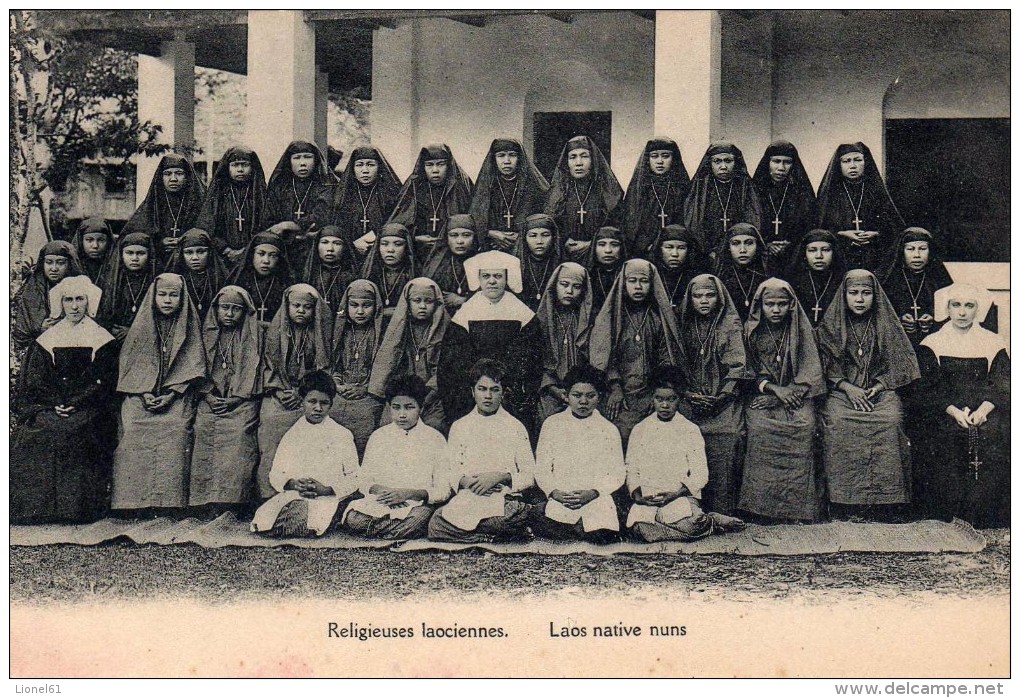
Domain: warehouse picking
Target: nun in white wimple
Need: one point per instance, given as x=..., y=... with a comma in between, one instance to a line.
x=963, y=459
x=493, y=324
x=61, y=448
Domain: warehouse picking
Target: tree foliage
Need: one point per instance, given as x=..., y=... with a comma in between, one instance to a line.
x=69, y=101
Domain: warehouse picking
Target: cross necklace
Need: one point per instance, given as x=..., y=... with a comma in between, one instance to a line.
x=676, y=287
x=435, y=208
x=364, y=208
x=914, y=296
x=580, y=202
x=175, y=230
x=263, y=297
x=775, y=221
x=508, y=216
x=300, y=211
x=818, y=297
x=973, y=440
x=725, y=207
x=239, y=207
x=856, y=209
x=662, y=203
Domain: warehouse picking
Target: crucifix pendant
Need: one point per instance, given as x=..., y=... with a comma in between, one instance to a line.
x=262, y=313
x=364, y=225
x=662, y=217
x=299, y=212
x=725, y=222
x=917, y=310
x=975, y=465
x=857, y=223
x=435, y=222
x=775, y=225
x=509, y=219
x=581, y=213
x=175, y=231
x=240, y=222
x=816, y=310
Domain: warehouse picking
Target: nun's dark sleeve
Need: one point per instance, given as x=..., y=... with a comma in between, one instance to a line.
x=526, y=363
x=455, y=361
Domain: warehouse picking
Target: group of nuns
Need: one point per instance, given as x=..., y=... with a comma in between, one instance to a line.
x=831, y=364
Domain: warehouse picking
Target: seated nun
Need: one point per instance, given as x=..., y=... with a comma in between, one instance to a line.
x=314, y=470
x=398, y=475
x=488, y=464
x=579, y=465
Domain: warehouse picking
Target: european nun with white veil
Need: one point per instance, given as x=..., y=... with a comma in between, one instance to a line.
x=493, y=324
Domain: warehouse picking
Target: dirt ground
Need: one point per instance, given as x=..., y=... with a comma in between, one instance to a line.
x=83, y=574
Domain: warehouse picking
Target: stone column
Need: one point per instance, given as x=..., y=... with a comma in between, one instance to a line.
x=688, y=66
x=321, y=109
x=281, y=82
x=166, y=96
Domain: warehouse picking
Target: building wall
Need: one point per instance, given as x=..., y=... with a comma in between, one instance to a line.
x=440, y=80
x=833, y=73
x=746, y=81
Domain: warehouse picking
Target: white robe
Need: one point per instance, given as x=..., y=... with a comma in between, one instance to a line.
x=323, y=451
x=662, y=457
x=401, y=459
x=480, y=444
x=581, y=454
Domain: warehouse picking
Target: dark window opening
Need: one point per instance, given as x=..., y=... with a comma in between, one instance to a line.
x=951, y=176
x=115, y=179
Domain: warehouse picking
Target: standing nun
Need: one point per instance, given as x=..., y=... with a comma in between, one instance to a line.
x=508, y=189
x=330, y=266
x=854, y=203
x=583, y=195
x=722, y=194
x=655, y=196
x=740, y=263
x=365, y=198
x=162, y=364
x=917, y=273
x=299, y=198
x=788, y=205
x=234, y=208
x=437, y=189
x=203, y=270
x=678, y=257
x=540, y=253
x=170, y=207
x=390, y=264
x=131, y=272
